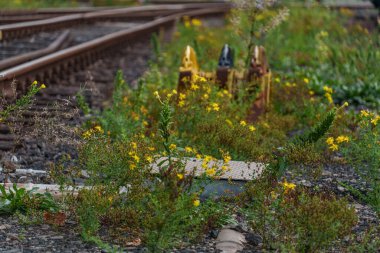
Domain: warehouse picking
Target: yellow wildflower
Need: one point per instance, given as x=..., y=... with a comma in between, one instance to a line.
x=198, y=156
x=277, y=79
x=87, y=134
x=174, y=92
x=375, y=120
x=243, y=123
x=330, y=141
x=149, y=159
x=252, y=128
x=136, y=158
x=34, y=82
x=220, y=94
x=329, y=97
x=43, y=86
x=180, y=176
x=224, y=167
x=208, y=158
x=199, y=79
x=205, y=96
x=181, y=103
x=334, y=147
x=151, y=148
x=342, y=138
x=156, y=94
x=196, y=202
x=99, y=129
x=182, y=96
x=210, y=172
x=311, y=93
x=327, y=89
x=132, y=166
x=306, y=80
x=226, y=158
x=194, y=87
x=288, y=186
x=364, y=113
x=196, y=22
x=172, y=146
x=188, y=149
x=229, y=122
x=215, y=106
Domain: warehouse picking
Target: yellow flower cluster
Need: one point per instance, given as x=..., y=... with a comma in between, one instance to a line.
x=375, y=120
x=96, y=129
x=328, y=94
x=288, y=186
x=198, y=79
x=194, y=87
x=288, y=84
x=226, y=158
x=210, y=171
x=333, y=143
x=213, y=107
x=250, y=127
x=190, y=150
x=372, y=117
x=182, y=98
x=134, y=156
x=191, y=22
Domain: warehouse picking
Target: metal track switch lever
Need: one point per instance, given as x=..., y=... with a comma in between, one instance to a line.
x=188, y=69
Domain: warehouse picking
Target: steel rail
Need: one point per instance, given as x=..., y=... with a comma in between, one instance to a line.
x=24, y=18
x=53, y=11
x=22, y=29
x=61, y=62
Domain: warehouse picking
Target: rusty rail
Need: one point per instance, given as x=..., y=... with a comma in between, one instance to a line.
x=24, y=18
x=54, y=65
x=22, y=29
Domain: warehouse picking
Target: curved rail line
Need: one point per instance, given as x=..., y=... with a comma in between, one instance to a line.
x=64, y=61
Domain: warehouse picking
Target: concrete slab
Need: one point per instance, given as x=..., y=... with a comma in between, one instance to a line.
x=237, y=170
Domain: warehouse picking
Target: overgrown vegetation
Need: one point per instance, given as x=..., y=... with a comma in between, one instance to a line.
x=141, y=191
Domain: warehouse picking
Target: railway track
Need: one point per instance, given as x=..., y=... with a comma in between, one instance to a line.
x=16, y=16
x=87, y=63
